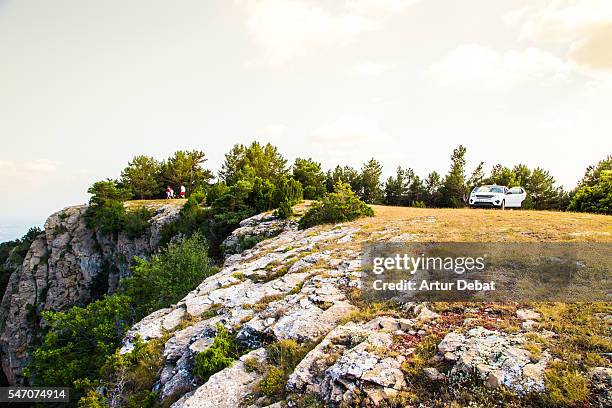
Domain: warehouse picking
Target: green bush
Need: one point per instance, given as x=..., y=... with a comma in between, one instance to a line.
x=339, y=206
x=250, y=241
x=78, y=341
x=136, y=222
x=564, y=385
x=594, y=193
x=285, y=353
x=218, y=356
x=273, y=383
x=284, y=211
x=107, y=213
x=167, y=277
x=198, y=195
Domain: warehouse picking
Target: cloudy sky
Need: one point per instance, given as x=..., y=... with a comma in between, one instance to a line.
x=85, y=85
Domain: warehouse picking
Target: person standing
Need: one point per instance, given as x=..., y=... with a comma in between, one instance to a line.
x=168, y=192
x=183, y=191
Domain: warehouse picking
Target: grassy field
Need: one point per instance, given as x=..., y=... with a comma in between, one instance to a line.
x=132, y=204
x=459, y=225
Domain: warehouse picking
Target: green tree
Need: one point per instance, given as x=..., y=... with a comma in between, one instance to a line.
x=371, y=191
x=106, y=210
x=594, y=192
x=453, y=190
x=344, y=174
x=308, y=172
x=476, y=178
x=262, y=195
x=396, y=188
x=186, y=168
x=433, y=183
x=502, y=176
x=417, y=192
x=542, y=193
x=166, y=278
x=78, y=341
x=105, y=191
x=141, y=177
x=255, y=160
x=340, y=206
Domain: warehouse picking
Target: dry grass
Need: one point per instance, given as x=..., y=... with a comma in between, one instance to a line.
x=480, y=225
x=151, y=204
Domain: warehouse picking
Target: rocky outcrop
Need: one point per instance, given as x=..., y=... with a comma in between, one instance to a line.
x=352, y=359
x=68, y=264
x=496, y=357
x=254, y=229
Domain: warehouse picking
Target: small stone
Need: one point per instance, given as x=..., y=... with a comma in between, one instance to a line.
x=493, y=380
x=433, y=374
x=529, y=325
x=450, y=356
x=405, y=324
x=528, y=314
x=425, y=315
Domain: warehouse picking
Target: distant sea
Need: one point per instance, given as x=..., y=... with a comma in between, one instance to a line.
x=13, y=229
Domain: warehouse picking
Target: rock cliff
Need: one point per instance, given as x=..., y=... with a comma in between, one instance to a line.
x=68, y=264
x=299, y=285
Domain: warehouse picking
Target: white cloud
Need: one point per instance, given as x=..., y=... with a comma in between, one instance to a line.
x=27, y=172
x=349, y=130
x=379, y=7
x=583, y=26
x=371, y=69
x=476, y=66
x=287, y=29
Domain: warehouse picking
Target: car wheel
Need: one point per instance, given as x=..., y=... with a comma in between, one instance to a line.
x=503, y=205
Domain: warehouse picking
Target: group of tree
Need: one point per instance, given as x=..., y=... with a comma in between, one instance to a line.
x=594, y=192
x=79, y=345
x=256, y=178
x=145, y=177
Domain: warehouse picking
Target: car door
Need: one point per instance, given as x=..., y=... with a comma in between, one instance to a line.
x=515, y=197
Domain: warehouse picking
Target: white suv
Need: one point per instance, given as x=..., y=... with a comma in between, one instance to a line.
x=497, y=196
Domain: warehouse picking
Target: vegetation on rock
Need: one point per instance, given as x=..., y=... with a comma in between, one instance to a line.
x=340, y=206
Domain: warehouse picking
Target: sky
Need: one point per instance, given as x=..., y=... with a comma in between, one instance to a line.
x=86, y=85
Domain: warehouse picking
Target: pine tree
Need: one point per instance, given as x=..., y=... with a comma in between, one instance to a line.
x=141, y=177
x=371, y=191
x=454, y=188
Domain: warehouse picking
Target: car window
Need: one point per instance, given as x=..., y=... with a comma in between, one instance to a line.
x=489, y=189
x=515, y=190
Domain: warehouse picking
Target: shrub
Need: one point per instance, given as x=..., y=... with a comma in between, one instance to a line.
x=198, y=195
x=218, y=356
x=339, y=206
x=136, y=222
x=167, y=277
x=273, y=383
x=565, y=385
x=78, y=341
x=284, y=211
x=285, y=353
x=250, y=241
x=107, y=212
x=128, y=378
x=594, y=194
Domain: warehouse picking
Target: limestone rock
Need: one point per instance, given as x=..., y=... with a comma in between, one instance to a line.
x=67, y=264
x=225, y=389
x=528, y=314
x=497, y=358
